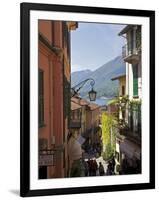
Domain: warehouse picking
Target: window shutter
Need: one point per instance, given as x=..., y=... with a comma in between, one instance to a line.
x=135, y=80
x=67, y=100
x=123, y=90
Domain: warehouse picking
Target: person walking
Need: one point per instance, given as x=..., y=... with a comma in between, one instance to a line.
x=113, y=165
x=94, y=167
x=101, y=169
x=86, y=168
x=75, y=156
x=109, y=168
x=90, y=166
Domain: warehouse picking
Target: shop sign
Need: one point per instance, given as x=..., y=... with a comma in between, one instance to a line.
x=46, y=160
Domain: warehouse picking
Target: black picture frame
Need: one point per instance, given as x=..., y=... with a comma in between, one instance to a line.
x=25, y=9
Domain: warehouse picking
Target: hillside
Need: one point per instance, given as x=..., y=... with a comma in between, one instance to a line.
x=102, y=76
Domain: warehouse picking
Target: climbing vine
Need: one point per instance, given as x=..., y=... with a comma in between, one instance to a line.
x=108, y=135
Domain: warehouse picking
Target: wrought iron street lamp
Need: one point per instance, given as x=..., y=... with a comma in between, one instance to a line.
x=92, y=93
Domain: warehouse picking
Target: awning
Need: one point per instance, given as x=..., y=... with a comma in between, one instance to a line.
x=125, y=29
x=75, y=106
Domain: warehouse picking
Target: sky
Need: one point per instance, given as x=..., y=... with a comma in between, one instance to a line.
x=94, y=44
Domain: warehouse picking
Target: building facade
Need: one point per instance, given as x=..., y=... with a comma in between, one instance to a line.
x=54, y=87
x=86, y=122
x=112, y=108
x=128, y=142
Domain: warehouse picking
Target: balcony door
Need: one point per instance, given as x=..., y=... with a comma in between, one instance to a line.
x=131, y=43
x=135, y=80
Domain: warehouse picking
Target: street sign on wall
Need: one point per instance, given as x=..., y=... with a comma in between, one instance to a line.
x=46, y=160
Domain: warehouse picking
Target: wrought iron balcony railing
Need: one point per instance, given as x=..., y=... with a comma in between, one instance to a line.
x=75, y=123
x=131, y=51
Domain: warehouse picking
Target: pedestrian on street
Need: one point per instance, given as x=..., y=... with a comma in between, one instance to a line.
x=109, y=168
x=113, y=164
x=124, y=166
x=94, y=167
x=86, y=168
x=90, y=167
x=75, y=157
x=101, y=169
x=76, y=170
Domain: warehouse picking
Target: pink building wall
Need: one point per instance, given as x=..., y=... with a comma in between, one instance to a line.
x=55, y=128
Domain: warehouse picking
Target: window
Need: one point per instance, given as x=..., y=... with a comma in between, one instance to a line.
x=132, y=41
x=139, y=118
x=135, y=80
x=79, y=114
x=138, y=37
x=131, y=118
x=123, y=90
x=66, y=37
x=130, y=44
x=41, y=98
x=64, y=159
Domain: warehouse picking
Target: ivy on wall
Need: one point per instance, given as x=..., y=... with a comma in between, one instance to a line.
x=108, y=136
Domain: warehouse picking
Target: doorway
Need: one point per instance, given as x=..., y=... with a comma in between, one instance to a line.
x=43, y=172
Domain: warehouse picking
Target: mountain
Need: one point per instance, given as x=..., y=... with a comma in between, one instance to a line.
x=78, y=76
x=102, y=76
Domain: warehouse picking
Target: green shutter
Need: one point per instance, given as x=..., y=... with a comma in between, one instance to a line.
x=135, y=80
x=135, y=87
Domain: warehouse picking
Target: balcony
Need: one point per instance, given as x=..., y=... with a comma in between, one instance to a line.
x=133, y=129
x=75, y=124
x=130, y=135
x=131, y=52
